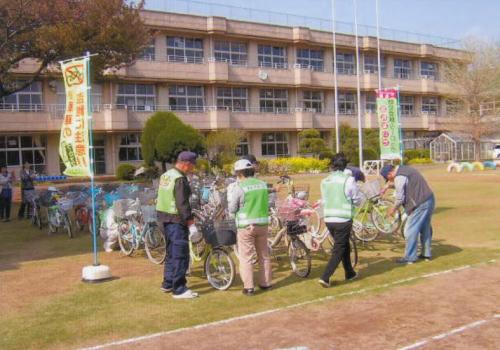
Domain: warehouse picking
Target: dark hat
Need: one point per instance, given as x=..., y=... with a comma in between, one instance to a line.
x=186, y=156
x=251, y=158
x=386, y=170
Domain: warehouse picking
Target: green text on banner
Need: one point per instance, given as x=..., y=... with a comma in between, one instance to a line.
x=388, y=121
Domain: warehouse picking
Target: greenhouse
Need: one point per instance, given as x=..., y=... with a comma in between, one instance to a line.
x=452, y=147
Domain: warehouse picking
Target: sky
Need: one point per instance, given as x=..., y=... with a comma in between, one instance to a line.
x=456, y=19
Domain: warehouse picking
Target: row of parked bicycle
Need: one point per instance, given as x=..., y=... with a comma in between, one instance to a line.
x=126, y=217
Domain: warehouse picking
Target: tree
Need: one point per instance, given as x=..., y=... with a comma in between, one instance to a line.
x=476, y=86
x=221, y=146
x=349, y=144
x=311, y=142
x=48, y=31
x=165, y=135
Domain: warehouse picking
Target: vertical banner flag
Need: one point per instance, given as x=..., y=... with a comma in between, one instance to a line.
x=388, y=121
x=74, y=140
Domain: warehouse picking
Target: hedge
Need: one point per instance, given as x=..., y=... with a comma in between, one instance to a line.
x=125, y=172
x=296, y=165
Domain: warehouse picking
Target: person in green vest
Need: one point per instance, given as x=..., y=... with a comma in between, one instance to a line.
x=339, y=195
x=174, y=212
x=248, y=202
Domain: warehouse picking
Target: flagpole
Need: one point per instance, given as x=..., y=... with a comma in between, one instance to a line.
x=358, y=86
x=335, y=88
x=91, y=157
x=378, y=48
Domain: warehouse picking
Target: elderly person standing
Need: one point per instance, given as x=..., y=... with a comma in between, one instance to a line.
x=417, y=199
x=174, y=212
x=339, y=194
x=248, y=201
x=6, y=179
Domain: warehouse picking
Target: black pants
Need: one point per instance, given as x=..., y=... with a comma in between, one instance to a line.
x=177, y=262
x=5, y=204
x=341, y=250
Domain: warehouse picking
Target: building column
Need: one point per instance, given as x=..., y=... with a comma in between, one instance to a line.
x=52, y=155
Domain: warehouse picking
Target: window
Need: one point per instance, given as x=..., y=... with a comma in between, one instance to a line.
x=96, y=96
x=233, y=99
x=188, y=50
x=17, y=150
x=274, y=100
x=371, y=64
x=148, y=53
x=136, y=97
x=453, y=106
x=313, y=100
x=99, y=154
x=242, y=148
x=406, y=105
x=345, y=63
x=402, y=69
x=272, y=56
x=430, y=104
x=233, y=52
x=429, y=70
x=310, y=59
x=370, y=103
x=130, y=147
x=347, y=103
x=28, y=99
x=275, y=144
x=186, y=98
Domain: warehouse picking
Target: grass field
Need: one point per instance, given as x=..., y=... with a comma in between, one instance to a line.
x=45, y=306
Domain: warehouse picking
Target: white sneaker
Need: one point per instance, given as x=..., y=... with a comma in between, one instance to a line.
x=188, y=294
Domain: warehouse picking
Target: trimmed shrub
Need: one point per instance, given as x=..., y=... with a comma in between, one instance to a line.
x=416, y=161
x=125, y=172
x=297, y=165
x=410, y=154
x=264, y=167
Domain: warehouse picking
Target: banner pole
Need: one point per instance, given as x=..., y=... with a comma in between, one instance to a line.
x=400, y=128
x=358, y=87
x=91, y=157
x=335, y=87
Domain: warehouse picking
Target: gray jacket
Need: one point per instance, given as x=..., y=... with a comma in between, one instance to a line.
x=411, y=188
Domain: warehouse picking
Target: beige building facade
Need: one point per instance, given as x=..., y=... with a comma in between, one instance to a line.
x=215, y=73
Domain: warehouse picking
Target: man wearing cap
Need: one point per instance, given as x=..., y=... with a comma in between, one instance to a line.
x=339, y=194
x=174, y=211
x=417, y=199
x=248, y=201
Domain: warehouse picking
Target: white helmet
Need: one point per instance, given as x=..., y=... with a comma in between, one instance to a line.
x=242, y=164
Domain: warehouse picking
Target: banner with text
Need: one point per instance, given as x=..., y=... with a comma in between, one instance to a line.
x=388, y=121
x=74, y=141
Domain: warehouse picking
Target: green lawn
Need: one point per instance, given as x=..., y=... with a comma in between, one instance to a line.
x=44, y=305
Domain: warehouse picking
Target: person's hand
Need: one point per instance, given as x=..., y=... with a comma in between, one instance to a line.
x=391, y=211
x=194, y=235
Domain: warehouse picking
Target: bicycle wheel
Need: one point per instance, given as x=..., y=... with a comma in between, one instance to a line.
x=300, y=258
x=382, y=222
x=81, y=217
x=36, y=219
x=126, y=237
x=155, y=244
x=313, y=222
x=364, y=232
x=219, y=269
x=51, y=221
x=67, y=225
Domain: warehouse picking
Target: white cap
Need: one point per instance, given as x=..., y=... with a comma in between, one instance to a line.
x=242, y=164
x=52, y=189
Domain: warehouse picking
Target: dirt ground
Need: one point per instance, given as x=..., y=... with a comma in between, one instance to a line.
x=393, y=319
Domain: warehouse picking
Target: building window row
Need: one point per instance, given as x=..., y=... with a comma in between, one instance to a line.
x=28, y=99
x=17, y=150
x=190, y=50
x=130, y=148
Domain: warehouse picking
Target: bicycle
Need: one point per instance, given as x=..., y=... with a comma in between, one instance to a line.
x=292, y=226
x=33, y=198
x=58, y=215
x=371, y=219
x=137, y=225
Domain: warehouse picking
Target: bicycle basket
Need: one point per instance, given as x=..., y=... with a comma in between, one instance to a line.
x=121, y=206
x=371, y=188
x=65, y=204
x=301, y=191
x=223, y=233
x=287, y=211
x=295, y=228
x=149, y=213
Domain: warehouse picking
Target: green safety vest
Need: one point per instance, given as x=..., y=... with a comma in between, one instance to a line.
x=255, y=210
x=166, y=196
x=335, y=203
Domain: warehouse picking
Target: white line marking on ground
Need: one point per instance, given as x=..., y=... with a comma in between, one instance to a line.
x=449, y=333
x=270, y=311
